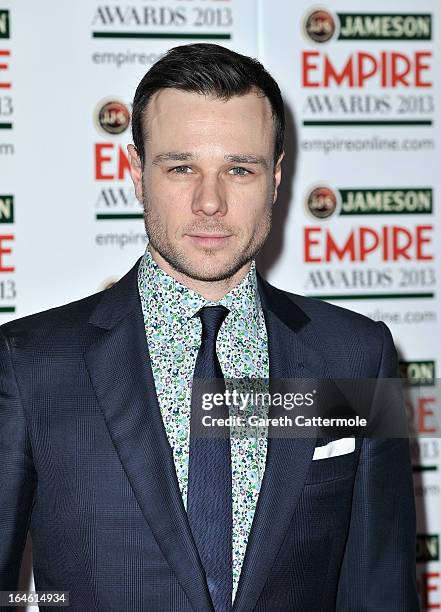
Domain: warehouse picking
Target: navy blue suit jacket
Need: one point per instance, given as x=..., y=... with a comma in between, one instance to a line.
x=87, y=467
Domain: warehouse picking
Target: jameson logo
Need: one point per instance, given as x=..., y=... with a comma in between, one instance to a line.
x=427, y=548
x=112, y=116
x=4, y=24
x=323, y=201
x=385, y=27
x=6, y=209
x=320, y=26
x=386, y=201
x=421, y=373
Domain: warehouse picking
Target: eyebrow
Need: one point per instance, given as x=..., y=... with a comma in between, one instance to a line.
x=247, y=159
x=235, y=158
x=173, y=156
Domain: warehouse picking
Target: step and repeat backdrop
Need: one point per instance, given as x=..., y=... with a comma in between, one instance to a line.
x=356, y=219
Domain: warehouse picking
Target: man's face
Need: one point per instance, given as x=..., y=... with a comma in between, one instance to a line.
x=208, y=182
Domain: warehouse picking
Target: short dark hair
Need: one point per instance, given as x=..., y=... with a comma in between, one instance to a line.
x=211, y=70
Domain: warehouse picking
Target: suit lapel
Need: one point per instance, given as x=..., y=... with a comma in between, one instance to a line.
x=288, y=459
x=120, y=370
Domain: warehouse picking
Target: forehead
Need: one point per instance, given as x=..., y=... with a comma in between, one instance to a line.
x=178, y=119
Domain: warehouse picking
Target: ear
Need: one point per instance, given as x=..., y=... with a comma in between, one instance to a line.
x=278, y=175
x=135, y=171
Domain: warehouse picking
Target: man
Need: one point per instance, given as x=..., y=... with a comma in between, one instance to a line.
x=128, y=508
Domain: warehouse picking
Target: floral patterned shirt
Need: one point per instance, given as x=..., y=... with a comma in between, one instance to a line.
x=173, y=339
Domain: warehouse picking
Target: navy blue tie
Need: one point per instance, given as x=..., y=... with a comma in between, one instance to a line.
x=209, y=500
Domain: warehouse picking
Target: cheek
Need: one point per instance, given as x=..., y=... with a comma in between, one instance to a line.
x=249, y=203
x=165, y=205
x=163, y=192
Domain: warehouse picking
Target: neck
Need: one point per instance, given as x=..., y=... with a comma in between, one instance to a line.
x=210, y=290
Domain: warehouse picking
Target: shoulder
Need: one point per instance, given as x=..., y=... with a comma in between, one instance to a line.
x=74, y=323
x=64, y=321
x=347, y=340
x=329, y=316
x=319, y=313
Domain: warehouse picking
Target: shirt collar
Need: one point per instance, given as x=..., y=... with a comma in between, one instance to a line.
x=168, y=304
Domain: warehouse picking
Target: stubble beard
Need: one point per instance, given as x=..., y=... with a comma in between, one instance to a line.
x=207, y=269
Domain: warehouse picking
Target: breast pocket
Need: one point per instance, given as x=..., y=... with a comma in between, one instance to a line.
x=333, y=459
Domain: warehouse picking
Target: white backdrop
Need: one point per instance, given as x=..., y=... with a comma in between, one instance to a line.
x=355, y=222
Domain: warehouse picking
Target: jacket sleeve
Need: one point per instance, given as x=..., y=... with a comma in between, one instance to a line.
x=17, y=474
x=378, y=570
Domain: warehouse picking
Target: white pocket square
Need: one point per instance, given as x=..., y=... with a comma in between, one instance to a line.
x=343, y=446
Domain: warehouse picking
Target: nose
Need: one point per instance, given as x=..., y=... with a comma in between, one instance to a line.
x=209, y=197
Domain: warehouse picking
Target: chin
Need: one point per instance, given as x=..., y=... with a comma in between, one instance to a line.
x=209, y=273
x=209, y=268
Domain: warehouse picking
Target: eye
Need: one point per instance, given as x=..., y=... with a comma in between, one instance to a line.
x=239, y=171
x=181, y=170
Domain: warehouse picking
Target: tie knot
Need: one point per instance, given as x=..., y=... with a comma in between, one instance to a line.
x=212, y=318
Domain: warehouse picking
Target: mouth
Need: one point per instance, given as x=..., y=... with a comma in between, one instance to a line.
x=209, y=240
